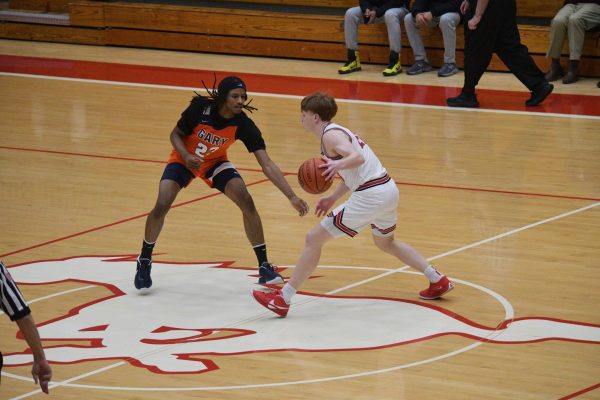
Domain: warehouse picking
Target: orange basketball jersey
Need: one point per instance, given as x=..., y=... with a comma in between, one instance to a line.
x=208, y=135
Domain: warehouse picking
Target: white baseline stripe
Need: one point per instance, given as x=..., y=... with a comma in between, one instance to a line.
x=285, y=96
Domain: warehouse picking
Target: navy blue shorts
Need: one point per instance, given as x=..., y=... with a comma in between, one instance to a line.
x=178, y=173
x=183, y=176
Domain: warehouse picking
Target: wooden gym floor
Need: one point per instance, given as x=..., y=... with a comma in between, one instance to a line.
x=504, y=200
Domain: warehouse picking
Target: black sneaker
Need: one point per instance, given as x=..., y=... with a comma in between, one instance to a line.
x=268, y=274
x=142, y=274
x=462, y=100
x=539, y=94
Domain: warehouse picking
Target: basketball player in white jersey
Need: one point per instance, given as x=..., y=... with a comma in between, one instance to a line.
x=373, y=202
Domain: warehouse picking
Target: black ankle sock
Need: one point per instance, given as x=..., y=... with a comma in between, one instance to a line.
x=147, y=250
x=261, y=253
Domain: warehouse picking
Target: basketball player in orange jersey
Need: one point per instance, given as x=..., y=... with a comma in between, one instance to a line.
x=373, y=202
x=200, y=140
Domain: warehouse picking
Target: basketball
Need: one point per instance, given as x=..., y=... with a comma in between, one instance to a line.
x=310, y=178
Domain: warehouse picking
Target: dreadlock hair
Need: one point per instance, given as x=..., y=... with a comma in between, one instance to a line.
x=227, y=84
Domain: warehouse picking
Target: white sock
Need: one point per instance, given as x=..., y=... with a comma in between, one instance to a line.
x=287, y=292
x=432, y=274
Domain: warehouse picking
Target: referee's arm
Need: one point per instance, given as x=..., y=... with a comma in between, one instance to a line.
x=15, y=306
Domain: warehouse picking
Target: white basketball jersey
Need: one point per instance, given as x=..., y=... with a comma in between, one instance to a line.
x=369, y=170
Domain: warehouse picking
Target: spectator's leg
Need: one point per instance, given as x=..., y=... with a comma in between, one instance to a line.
x=352, y=20
x=585, y=17
x=393, y=18
x=414, y=38
x=558, y=30
x=448, y=23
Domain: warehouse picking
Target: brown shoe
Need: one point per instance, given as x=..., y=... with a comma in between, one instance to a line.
x=556, y=71
x=571, y=77
x=554, y=74
x=573, y=72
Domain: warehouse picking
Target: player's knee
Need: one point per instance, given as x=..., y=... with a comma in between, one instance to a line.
x=246, y=203
x=311, y=239
x=161, y=207
x=383, y=244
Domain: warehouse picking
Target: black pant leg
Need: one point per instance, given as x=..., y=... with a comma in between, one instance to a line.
x=514, y=54
x=479, y=47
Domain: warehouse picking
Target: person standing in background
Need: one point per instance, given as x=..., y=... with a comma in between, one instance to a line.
x=492, y=28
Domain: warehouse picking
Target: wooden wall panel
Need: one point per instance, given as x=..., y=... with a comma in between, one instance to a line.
x=538, y=8
x=311, y=3
x=226, y=44
x=87, y=13
x=33, y=5
x=223, y=22
x=51, y=33
x=58, y=6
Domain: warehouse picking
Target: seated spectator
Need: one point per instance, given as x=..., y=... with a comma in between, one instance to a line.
x=573, y=19
x=431, y=13
x=373, y=12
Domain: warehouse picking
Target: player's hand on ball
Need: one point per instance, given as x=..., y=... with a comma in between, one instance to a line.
x=329, y=168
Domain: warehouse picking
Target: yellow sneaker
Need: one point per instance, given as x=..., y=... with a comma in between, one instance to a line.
x=353, y=63
x=392, y=69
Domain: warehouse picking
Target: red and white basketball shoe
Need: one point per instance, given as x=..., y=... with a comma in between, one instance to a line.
x=272, y=301
x=437, y=290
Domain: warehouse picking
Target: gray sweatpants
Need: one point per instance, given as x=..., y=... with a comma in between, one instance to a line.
x=447, y=23
x=574, y=20
x=392, y=19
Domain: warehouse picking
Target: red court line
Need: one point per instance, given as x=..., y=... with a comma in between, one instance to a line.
x=582, y=391
x=554, y=196
x=35, y=246
x=69, y=153
x=572, y=104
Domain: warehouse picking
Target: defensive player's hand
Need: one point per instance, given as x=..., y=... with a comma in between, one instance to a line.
x=323, y=205
x=41, y=373
x=192, y=161
x=464, y=6
x=300, y=205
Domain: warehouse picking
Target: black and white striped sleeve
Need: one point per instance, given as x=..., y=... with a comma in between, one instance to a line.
x=12, y=301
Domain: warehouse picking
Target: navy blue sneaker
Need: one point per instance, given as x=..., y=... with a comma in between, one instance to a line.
x=142, y=274
x=268, y=274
